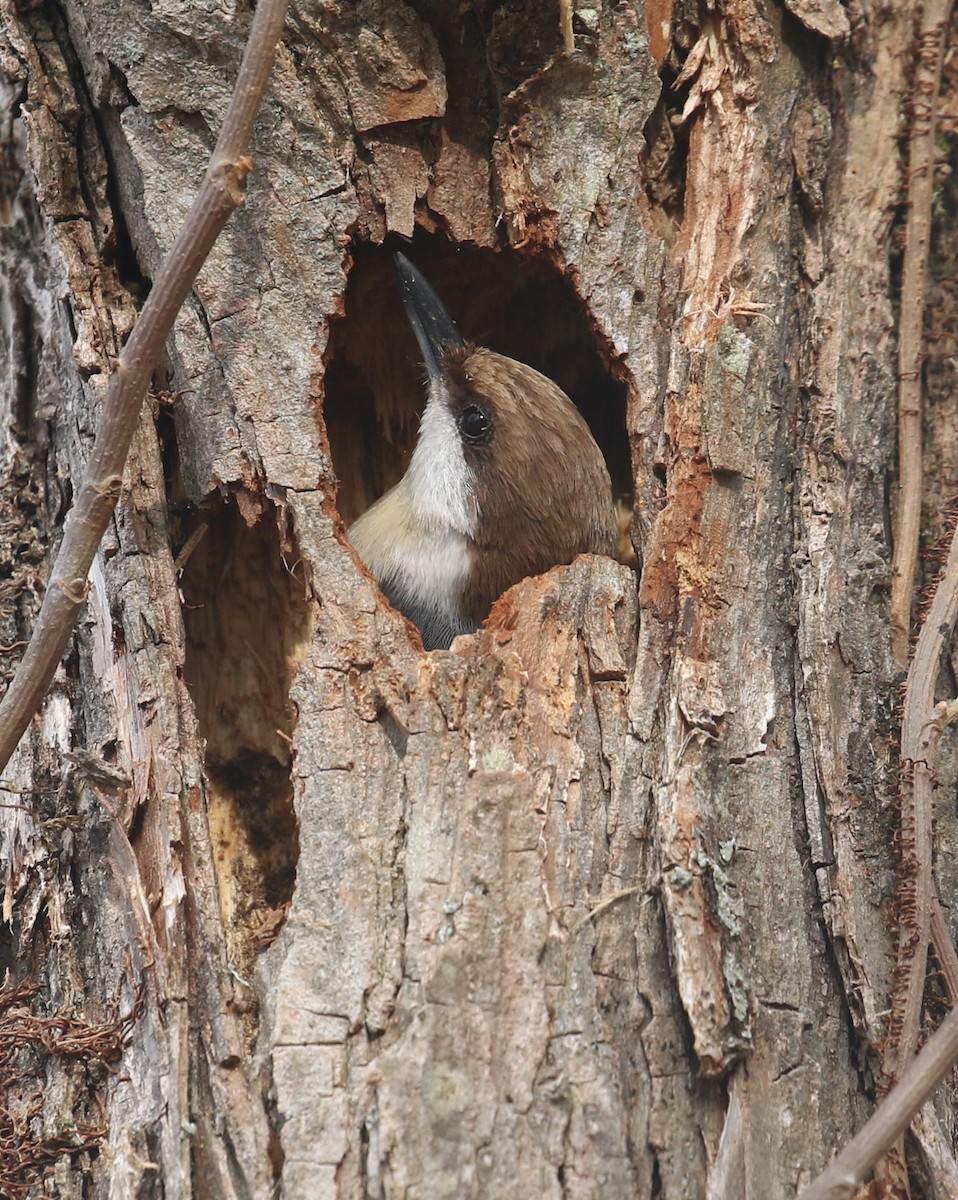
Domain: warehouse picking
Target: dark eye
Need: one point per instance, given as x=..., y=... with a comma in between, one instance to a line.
x=475, y=425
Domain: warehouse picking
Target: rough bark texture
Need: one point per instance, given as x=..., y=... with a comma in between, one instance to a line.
x=600, y=903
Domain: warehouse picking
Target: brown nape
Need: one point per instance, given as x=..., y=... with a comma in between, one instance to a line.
x=542, y=487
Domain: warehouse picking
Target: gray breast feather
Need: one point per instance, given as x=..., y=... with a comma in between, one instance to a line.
x=438, y=628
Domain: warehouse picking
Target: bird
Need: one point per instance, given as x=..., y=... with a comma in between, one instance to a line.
x=505, y=481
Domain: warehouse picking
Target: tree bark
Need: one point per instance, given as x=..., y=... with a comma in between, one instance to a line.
x=601, y=902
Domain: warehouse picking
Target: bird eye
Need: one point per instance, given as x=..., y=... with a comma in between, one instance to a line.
x=475, y=425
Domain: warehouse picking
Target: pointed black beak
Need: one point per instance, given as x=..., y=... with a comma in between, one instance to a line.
x=432, y=325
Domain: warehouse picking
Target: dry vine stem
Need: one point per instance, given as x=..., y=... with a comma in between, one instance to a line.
x=921, y=915
x=222, y=190
x=935, y=15
x=918, y=902
x=840, y=1181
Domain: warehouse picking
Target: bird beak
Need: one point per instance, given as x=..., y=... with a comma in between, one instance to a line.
x=432, y=325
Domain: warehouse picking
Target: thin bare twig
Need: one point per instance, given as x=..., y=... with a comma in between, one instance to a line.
x=920, y=736
x=935, y=15
x=841, y=1179
x=920, y=915
x=919, y=910
x=222, y=190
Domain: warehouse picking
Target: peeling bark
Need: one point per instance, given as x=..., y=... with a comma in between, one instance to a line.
x=601, y=902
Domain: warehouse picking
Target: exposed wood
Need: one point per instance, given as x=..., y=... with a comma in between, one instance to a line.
x=601, y=902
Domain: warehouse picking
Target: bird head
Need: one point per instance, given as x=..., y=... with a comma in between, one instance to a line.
x=505, y=480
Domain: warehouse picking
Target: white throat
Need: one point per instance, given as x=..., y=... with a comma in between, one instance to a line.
x=439, y=483
x=418, y=539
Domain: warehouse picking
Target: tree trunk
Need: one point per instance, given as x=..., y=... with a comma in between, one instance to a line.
x=601, y=902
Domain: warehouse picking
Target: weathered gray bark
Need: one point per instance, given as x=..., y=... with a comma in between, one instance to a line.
x=600, y=903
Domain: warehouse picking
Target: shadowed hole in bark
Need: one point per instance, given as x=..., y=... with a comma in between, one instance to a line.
x=665, y=162
x=472, y=113
x=489, y=48
x=10, y=965
x=247, y=627
x=20, y=351
x=95, y=122
x=519, y=306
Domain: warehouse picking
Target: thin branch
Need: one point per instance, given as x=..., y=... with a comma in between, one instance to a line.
x=920, y=912
x=222, y=190
x=602, y=905
x=935, y=15
x=920, y=736
x=921, y=916
x=921, y=729
x=889, y=1121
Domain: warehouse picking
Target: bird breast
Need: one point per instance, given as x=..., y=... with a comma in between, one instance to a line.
x=422, y=566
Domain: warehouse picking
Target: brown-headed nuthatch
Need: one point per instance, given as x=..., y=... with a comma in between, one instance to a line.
x=505, y=481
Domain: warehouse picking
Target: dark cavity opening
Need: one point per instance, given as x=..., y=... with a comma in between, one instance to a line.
x=247, y=627
x=665, y=162
x=517, y=305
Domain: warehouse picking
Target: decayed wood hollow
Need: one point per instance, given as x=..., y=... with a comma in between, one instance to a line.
x=247, y=625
